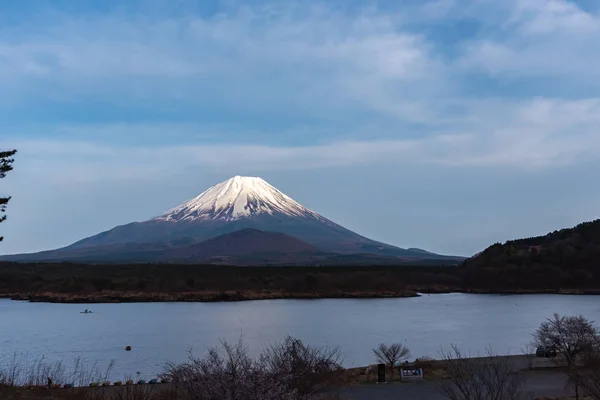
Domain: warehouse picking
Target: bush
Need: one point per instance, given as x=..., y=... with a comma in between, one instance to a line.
x=21, y=371
x=494, y=377
x=307, y=370
x=287, y=371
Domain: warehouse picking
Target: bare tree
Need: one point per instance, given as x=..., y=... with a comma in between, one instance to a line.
x=307, y=370
x=586, y=375
x=288, y=371
x=227, y=373
x=572, y=337
x=529, y=354
x=491, y=378
x=391, y=354
x=569, y=336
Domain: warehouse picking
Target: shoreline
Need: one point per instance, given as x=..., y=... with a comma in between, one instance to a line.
x=82, y=283
x=193, y=297
x=355, y=375
x=104, y=297
x=358, y=382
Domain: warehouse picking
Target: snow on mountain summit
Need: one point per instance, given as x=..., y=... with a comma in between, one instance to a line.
x=235, y=198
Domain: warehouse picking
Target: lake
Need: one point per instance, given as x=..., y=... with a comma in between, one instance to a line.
x=160, y=332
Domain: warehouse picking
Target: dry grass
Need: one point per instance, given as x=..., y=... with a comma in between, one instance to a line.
x=21, y=371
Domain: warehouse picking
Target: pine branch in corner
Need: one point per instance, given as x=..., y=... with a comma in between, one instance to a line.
x=6, y=162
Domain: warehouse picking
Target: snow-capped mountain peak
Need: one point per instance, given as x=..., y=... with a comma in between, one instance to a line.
x=235, y=198
x=202, y=230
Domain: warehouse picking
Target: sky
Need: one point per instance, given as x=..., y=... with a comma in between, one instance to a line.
x=446, y=125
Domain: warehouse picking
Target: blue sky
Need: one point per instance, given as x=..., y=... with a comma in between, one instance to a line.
x=444, y=124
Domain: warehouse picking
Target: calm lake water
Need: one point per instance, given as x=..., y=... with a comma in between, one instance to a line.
x=160, y=332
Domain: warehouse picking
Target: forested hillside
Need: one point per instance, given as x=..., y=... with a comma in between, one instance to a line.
x=564, y=258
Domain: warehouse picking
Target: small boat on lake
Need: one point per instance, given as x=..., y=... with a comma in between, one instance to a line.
x=86, y=311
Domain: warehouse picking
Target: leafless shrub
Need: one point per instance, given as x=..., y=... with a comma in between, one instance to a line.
x=9, y=374
x=22, y=371
x=227, y=374
x=529, y=354
x=288, y=371
x=308, y=371
x=391, y=354
x=491, y=378
x=84, y=374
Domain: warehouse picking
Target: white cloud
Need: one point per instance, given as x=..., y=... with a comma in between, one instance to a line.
x=541, y=133
x=309, y=60
x=317, y=62
x=437, y=9
x=538, y=39
x=542, y=17
x=300, y=57
x=262, y=38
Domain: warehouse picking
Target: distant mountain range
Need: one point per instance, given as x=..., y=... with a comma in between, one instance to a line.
x=243, y=221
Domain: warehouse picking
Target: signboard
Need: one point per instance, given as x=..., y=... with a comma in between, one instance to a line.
x=411, y=374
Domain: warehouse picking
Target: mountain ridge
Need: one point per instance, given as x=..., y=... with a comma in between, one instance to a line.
x=236, y=204
x=243, y=243
x=567, y=248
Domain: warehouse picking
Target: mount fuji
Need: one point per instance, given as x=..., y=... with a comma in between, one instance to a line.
x=243, y=220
